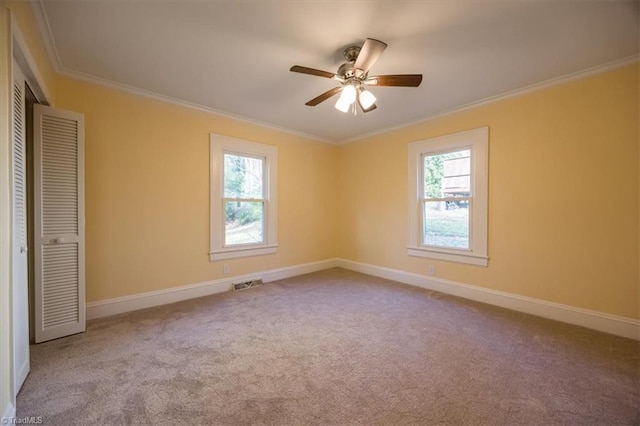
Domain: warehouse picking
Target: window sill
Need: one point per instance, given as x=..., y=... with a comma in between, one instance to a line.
x=232, y=253
x=451, y=256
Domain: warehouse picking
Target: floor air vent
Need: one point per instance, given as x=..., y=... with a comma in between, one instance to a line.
x=247, y=285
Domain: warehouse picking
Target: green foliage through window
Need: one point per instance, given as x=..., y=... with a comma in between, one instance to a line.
x=244, y=199
x=433, y=172
x=446, y=178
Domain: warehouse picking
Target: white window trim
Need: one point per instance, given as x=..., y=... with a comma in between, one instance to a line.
x=220, y=144
x=478, y=141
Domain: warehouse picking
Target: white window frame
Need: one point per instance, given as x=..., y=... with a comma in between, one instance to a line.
x=219, y=145
x=477, y=141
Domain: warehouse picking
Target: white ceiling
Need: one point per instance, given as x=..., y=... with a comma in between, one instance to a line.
x=234, y=56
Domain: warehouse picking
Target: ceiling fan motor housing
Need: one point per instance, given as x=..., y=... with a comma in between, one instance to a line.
x=347, y=70
x=351, y=53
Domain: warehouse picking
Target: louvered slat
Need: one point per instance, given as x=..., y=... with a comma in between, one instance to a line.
x=59, y=175
x=19, y=262
x=19, y=164
x=60, y=284
x=58, y=147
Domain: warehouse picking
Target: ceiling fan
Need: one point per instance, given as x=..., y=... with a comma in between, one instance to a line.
x=353, y=76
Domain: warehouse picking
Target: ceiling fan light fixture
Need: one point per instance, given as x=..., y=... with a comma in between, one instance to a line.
x=367, y=99
x=341, y=105
x=348, y=95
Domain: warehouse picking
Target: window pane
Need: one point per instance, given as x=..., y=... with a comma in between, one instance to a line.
x=446, y=224
x=243, y=177
x=244, y=222
x=447, y=175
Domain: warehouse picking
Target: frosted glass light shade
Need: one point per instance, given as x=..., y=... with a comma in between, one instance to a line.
x=348, y=94
x=367, y=99
x=341, y=105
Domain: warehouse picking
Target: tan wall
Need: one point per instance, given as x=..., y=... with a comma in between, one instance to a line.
x=563, y=195
x=147, y=193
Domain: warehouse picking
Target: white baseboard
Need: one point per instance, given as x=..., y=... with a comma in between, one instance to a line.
x=292, y=271
x=613, y=324
x=9, y=414
x=119, y=305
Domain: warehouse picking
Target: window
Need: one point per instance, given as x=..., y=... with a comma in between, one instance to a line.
x=448, y=180
x=243, y=198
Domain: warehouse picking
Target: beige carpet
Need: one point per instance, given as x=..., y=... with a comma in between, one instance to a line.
x=334, y=347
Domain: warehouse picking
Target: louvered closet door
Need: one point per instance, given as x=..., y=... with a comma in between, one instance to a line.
x=59, y=223
x=20, y=285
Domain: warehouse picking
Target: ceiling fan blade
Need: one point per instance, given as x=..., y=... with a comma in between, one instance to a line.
x=323, y=97
x=404, y=80
x=312, y=71
x=369, y=53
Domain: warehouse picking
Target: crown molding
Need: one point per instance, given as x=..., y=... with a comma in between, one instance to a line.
x=192, y=105
x=42, y=22
x=28, y=65
x=37, y=7
x=609, y=66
